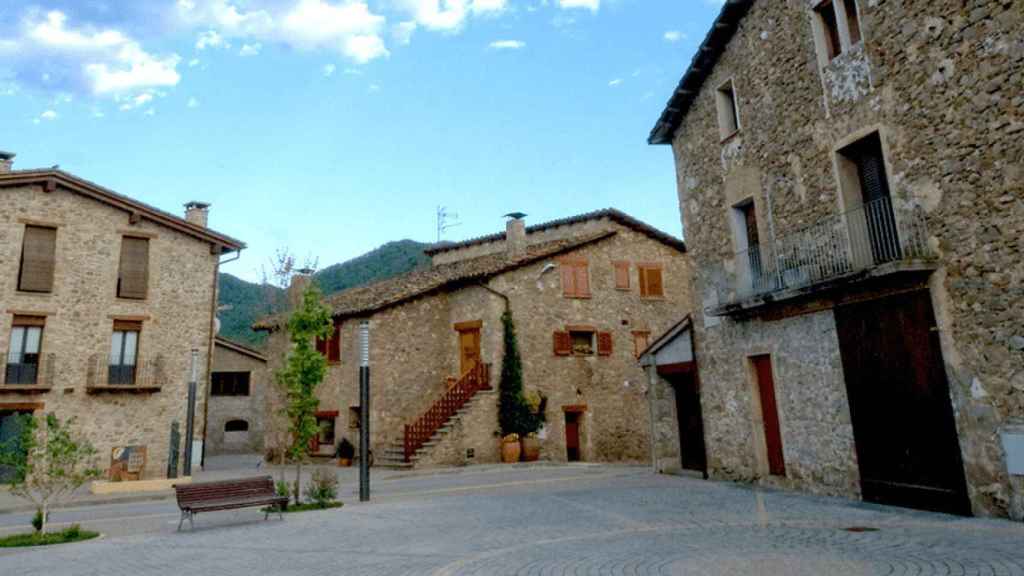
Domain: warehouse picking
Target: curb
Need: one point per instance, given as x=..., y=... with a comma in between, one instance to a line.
x=93, y=502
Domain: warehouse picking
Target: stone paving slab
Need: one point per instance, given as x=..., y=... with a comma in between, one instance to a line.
x=561, y=521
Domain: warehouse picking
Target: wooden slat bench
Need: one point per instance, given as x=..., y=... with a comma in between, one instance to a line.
x=227, y=495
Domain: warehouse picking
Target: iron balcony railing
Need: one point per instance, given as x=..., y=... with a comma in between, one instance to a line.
x=33, y=370
x=872, y=234
x=144, y=374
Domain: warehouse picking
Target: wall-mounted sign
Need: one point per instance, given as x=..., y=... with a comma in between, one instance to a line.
x=127, y=463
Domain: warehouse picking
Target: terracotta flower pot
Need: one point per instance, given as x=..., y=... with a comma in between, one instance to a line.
x=510, y=451
x=531, y=449
x=344, y=462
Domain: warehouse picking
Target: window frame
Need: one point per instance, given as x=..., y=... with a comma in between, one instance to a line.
x=577, y=330
x=122, y=374
x=837, y=28
x=728, y=106
x=23, y=375
x=643, y=269
x=330, y=348
x=578, y=269
x=624, y=268
x=120, y=291
x=52, y=260
x=235, y=388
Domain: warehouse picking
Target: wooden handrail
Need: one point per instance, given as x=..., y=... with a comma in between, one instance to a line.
x=419, y=432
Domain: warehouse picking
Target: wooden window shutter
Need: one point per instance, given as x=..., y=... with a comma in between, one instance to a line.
x=654, y=284
x=334, y=345
x=563, y=344
x=582, y=279
x=19, y=320
x=604, y=343
x=38, y=256
x=321, y=346
x=133, y=275
x=642, y=272
x=127, y=326
x=621, y=275
x=568, y=280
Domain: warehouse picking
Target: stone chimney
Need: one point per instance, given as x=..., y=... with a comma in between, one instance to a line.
x=197, y=212
x=300, y=280
x=6, y=160
x=515, y=235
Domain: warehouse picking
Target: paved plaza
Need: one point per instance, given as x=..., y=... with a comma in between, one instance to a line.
x=591, y=520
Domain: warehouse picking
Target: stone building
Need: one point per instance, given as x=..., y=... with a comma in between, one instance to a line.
x=584, y=292
x=850, y=179
x=236, y=404
x=104, y=301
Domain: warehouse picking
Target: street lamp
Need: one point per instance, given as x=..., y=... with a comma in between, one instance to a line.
x=364, y=411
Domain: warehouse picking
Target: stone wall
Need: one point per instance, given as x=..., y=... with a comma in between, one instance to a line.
x=414, y=349
x=251, y=408
x=940, y=82
x=176, y=318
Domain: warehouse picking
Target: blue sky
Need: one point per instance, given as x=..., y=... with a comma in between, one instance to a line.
x=333, y=126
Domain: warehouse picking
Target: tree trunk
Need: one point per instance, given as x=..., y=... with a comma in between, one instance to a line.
x=298, y=476
x=42, y=526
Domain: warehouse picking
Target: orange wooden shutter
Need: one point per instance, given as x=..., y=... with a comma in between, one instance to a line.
x=622, y=275
x=28, y=321
x=321, y=346
x=604, y=343
x=38, y=254
x=127, y=326
x=582, y=279
x=133, y=276
x=334, y=345
x=654, y=285
x=568, y=280
x=563, y=344
x=642, y=273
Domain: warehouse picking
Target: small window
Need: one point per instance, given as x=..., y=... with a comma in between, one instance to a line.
x=133, y=272
x=236, y=426
x=651, y=281
x=582, y=342
x=23, y=354
x=38, y=257
x=331, y=348
x=852, y=20
x=641, y=340
x=621, y=275
x=124, y=347
x=229, y=384
x=826, y=12
x=326, y=426
x=728, y=111
x=353, y=417
x=575, y=279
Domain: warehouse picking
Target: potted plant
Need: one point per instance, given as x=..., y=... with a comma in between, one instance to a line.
x=510, y=449
x=529, y=440
x=346, y=451
x=514, y=416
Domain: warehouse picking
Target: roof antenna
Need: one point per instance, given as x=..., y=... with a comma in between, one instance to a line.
x=445, y=220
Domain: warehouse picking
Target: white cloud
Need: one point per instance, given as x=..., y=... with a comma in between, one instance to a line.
x=507, y=45
x=450, y=15
x=329, y=69
x=103, y=62
x=488, y=6
x=615, y=82
x=150, y=112
x=352, y=72
x=135, y=101
x=250, y=49
x=211, y=39
x=193, y=63
x=347, y=26
x=373, y=88
x=193, y=103
x=48, y=115
x=674, y=36
x=592, y=5
x=403, y=31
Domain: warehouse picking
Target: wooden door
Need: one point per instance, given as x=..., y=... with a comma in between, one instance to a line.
x=692, y=452
x=469, y=349
x=903, y=425
x=769, y=414
x=572, y=436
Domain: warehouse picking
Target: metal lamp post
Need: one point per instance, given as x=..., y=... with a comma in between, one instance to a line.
x=364, y=411
x=191, y=417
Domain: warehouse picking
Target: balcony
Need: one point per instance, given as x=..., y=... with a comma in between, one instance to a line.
x=142, y=377
x=34, y=374
x=868, y=241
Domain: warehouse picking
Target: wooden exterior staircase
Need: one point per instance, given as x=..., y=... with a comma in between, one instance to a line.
x=426, y=430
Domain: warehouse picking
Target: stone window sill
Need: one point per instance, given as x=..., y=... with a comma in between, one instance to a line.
x=115, y=388
x=23, y=389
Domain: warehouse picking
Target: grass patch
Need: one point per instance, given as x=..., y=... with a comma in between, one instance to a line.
x=305, y=507
x=70, y=534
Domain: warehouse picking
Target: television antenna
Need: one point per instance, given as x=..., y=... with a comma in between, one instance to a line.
x=445, y=220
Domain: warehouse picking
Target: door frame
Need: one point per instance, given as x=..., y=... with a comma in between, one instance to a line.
x=473, y=326
x=773, y=458
x=678, y=376
x=578, y=410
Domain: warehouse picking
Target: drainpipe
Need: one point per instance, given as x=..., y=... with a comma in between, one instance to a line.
x=501, y=295
x=651, y=370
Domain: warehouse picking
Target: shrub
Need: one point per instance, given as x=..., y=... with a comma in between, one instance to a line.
x=37, y=520
x=281, y=488
x=323, y=488
x=73, y=532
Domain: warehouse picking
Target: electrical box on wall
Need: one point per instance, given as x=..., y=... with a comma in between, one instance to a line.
x=1013, y=445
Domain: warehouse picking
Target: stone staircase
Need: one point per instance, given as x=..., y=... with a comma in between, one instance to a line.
x=438, y=427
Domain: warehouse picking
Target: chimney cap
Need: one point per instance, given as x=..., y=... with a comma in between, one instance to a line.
x=196, y=204
x=305, y=271
x=515, y=215
x=7, y=155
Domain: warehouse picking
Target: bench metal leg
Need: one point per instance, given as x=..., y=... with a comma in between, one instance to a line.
x=185, y=514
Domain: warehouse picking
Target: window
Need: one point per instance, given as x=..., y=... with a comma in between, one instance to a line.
x=331, y=348
x=23, y=355
x=651, y=283
x=865, y=188
x=353, y=417
x=728, y=112
x=236, y=426
x=575, y=278
x=838, y=28
x=133, y=273
x=124, y=346
x=326, y=426
x=641, y=340
x=582, y=342
x=229, y=384
x=38, y=255
x=621, y=275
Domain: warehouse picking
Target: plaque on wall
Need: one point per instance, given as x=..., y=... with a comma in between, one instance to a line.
x=127, y=463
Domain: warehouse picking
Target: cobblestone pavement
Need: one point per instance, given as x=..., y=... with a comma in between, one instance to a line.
x=586, y=520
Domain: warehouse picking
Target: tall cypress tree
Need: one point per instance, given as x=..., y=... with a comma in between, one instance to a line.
x=514, y=416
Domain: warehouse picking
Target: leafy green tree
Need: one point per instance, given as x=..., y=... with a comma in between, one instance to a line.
x=514, y=414
x=49, y=463
x=302, y=373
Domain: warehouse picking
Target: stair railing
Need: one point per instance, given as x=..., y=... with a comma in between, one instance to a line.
x=419, y=432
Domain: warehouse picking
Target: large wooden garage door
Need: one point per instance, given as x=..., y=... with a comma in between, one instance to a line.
x=903, y=426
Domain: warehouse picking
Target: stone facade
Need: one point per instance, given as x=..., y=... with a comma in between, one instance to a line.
x=176, y=314
x=940, y=83
x=236, y=359
x=414, y=351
